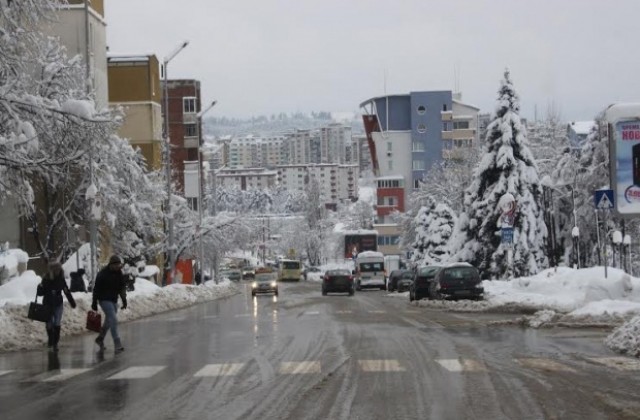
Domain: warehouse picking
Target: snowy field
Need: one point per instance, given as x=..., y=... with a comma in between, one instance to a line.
x=18, y=332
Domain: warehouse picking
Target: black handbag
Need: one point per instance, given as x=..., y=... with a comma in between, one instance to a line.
x=39, y=312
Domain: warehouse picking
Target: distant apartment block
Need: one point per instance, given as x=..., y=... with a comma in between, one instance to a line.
x=246, y=179
x=256, y=152
x=337, y=182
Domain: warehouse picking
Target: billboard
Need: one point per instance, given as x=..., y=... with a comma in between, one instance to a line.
x=624, y=157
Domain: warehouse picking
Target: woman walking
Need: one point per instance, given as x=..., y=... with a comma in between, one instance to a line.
x=52, y=286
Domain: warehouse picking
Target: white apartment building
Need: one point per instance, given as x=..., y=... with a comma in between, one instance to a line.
x=256, y=152
x=298, y=147
x=333, y=142
x=337, y=182
x=246, y=179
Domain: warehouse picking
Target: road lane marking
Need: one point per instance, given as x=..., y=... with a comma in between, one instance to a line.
x=344, y=312
x=377, y=312
x=65, y=374
x=137, y=372
x=544, y=364
x=382, y=365
x=294, y=368
x=462, y=365
x=224, y=369
x=620, y=363
x=312, y=313
x=411, y=312
x=5, y=372
x=210, y=316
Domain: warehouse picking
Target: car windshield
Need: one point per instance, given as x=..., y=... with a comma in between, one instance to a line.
x=290, y=265
x=461, y=273
x=338, y=273
x=428, y=271
x=369, y=267
x=407, y=275
x=264, y=277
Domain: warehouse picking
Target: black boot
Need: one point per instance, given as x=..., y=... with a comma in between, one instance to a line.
x=100, y=339
x=50, y=338
x=56, y=338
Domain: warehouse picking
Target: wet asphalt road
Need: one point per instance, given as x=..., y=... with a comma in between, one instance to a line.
x=305, y=356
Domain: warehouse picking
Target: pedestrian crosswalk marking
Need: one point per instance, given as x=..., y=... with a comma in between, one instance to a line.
x=381, y=365
x=411, y=312
x=224, y=369
x=544, y=364
x=620, y=363
x=294, y=368
x=377, y=312
x=460, y=365
x=344, y=312
x=65, y=374
x=210, y=316
x=137, y=372
x=4, y=372
x=312, y=313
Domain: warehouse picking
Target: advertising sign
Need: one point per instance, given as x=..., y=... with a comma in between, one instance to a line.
x=624, y=158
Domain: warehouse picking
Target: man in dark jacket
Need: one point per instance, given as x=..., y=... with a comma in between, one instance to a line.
x=52, y=286
x=110, y=283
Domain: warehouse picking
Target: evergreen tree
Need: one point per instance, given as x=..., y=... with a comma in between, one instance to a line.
x=434, y=228
x=507, y=167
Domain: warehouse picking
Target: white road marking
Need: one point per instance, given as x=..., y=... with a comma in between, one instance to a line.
x=224, y=369
x=210, y=316
x=312, y=313
x=411, y=312
x=620, y=363
x=294, y=368
x=382, y=365
x=377, y=312
x=344, y=312
x=544, y=364
x=65, y=374
x=4, y=372
x=137, y=372
x=461, y=365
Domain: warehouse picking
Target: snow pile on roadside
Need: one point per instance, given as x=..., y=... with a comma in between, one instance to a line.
x=626, y=338
x=9, y=263
x=19, y=332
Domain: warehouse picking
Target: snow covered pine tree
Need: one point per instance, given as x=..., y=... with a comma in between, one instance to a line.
x=507, y=166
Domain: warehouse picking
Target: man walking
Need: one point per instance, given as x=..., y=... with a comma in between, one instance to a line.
x=110, y=283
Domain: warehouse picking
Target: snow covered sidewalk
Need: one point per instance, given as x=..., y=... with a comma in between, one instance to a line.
x=18, y=332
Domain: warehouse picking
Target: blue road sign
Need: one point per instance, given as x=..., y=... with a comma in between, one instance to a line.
x=507, y=235
x=604, y=199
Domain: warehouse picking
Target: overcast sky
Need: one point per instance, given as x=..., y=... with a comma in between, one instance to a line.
x=259, y=57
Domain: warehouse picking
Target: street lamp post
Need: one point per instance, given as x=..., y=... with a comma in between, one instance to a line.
x=200, y=203
x=167, y=144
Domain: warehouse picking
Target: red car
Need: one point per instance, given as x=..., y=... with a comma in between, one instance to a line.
x=338, y=281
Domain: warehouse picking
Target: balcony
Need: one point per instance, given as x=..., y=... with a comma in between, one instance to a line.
x=446, y=115
x=191, y=142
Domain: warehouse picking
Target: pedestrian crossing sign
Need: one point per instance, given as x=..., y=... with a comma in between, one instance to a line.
x=604, y=199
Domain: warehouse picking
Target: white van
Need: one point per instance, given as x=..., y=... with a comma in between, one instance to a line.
x=369, y=270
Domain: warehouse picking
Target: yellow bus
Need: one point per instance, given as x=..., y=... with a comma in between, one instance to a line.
x=290, y=270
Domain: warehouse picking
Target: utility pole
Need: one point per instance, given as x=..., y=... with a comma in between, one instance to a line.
x=91, y=190
x=167, y=144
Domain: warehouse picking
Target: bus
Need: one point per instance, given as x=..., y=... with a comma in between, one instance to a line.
x=356, y=241
x=289, y=270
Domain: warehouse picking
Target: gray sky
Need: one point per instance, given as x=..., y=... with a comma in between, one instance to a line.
x=268, y=56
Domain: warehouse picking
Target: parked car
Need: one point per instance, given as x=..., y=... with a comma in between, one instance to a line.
x=405, y=281
x=265, y=282
x=248, y=273
x=397, y=276
x=422, y=281
x=309, y=269
x=340, y=280
x=455, y=281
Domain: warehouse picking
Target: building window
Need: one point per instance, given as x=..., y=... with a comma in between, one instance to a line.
x=387, y=240
x=388, y=146
x=418, y=146
x=391, y=165
x=461, y=125
x=416, y=183
x=448, y=145
x=422, y=110
x=444, y=107
x=446, y=126
x=418, y=165
x=422, y=128
x=189, y=105
x=190, y=130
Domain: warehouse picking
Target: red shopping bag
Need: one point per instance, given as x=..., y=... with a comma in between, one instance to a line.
x=94, y=321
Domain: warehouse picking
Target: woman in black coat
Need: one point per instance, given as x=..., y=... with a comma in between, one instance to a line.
x=52, y=286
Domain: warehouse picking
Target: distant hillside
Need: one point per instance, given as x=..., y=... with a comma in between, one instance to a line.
x=279, y=123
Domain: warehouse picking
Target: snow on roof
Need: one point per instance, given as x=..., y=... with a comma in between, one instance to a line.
x=389, y=177
x=367, y=254
x=127, y=58
x=582, y=127
x=465, y=104
x=360, y=232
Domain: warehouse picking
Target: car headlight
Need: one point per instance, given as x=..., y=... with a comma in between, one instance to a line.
x=254, y=285
x=273, y=284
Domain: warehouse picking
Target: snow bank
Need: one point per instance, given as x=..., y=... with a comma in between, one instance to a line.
x=18, y=332
x=626, y=339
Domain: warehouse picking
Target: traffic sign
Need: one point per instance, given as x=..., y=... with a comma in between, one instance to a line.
x=604, y=199
x=507, y=235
